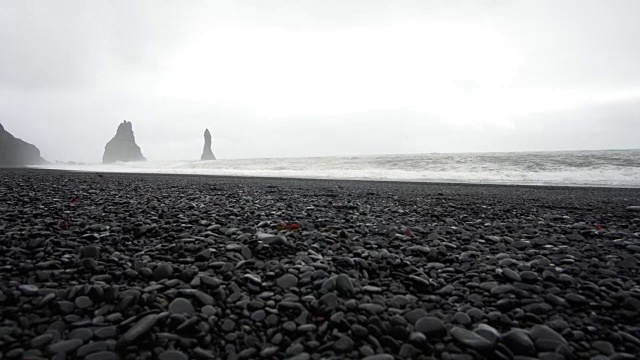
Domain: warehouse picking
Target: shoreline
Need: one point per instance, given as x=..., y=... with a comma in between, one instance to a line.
x=176, y=266
x=401, y=182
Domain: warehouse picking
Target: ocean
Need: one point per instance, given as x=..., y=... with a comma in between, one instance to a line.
x=616, y=168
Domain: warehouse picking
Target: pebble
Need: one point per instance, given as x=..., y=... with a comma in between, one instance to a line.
x=28, y=289
x=140, y=328
x=42, y=340
x=90, y=251
x=181, y=306
x=102, y=355
x=228, y=325
x=511, y=275
x=546, y=339
x=344, y=344
x=65, y=346
x=83, y=334
x=344, y=286
x=172, y=355
x=287, y=281
x=519, y=342
x=431, y=326
x=83, y=302
x=471, y=339
x=162, y=271
x=379, y=357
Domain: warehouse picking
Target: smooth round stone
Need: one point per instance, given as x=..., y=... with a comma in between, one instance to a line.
x=295, y=349
x=131, y=273
x=275, y=240
x=289, y=326
x=511, y=275
x=92, y=347
x=344, y=286
x=205, y=298
x=372, y=289
x=379, y=357
x=546, y=339
x=287, y=281
x=106, y=332
x=519, y=342
x=414, y=315
x=204, y=255
x=90, y=251
x=213, y=282
x=529, y=276
x=258, y=315
x=102, y=355
x=208, y=310
x=83, y=302
x=269, y=352
x=430, y=326
x=140, y=328
x=15, y=353
x=604, y=347
x=634, y=208
x=344, y=344
x=538, y=308
x=181, y=306
x=446, y=290
x=307, y=328
x=146, y=272
x=162, y=271
x=575, y=299
x=408, y=351
x=337, y=317
x=301, y=356
x=247, y=353
x=372, y=308
x=470, y=339
x=203, y=354
x=487, y=332
x=83, y=334
x=28, y=289
x=65, y=346
x=228, y=325
x=359, y=330
x=172, y=355
x=462, y=318
x=502, y=289
x=42, y=340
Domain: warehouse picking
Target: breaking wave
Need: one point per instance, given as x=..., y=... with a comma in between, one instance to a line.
x=618, y=168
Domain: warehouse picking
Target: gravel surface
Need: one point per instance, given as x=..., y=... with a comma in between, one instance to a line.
x=115, y=266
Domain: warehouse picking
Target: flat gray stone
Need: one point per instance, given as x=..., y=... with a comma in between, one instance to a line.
x=470, y=339
x=140, y=328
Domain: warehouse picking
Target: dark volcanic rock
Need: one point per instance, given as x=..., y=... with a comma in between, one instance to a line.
x=207, y=153
x=123, y=146
x=15, y=152
x=209, y=271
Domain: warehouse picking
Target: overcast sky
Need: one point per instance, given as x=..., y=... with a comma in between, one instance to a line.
x=312, y=78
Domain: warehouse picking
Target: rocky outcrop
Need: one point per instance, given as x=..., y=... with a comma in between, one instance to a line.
x=207, y=153
x=15, y=152
x=123, y=146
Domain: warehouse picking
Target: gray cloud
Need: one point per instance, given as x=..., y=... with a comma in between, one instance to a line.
x=70, y=71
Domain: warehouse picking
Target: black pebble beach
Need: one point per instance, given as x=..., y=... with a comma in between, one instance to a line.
x=129, y=266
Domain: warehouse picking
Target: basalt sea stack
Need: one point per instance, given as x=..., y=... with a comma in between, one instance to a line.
x=15, y=152
x=207, y=153
x=123, y=146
